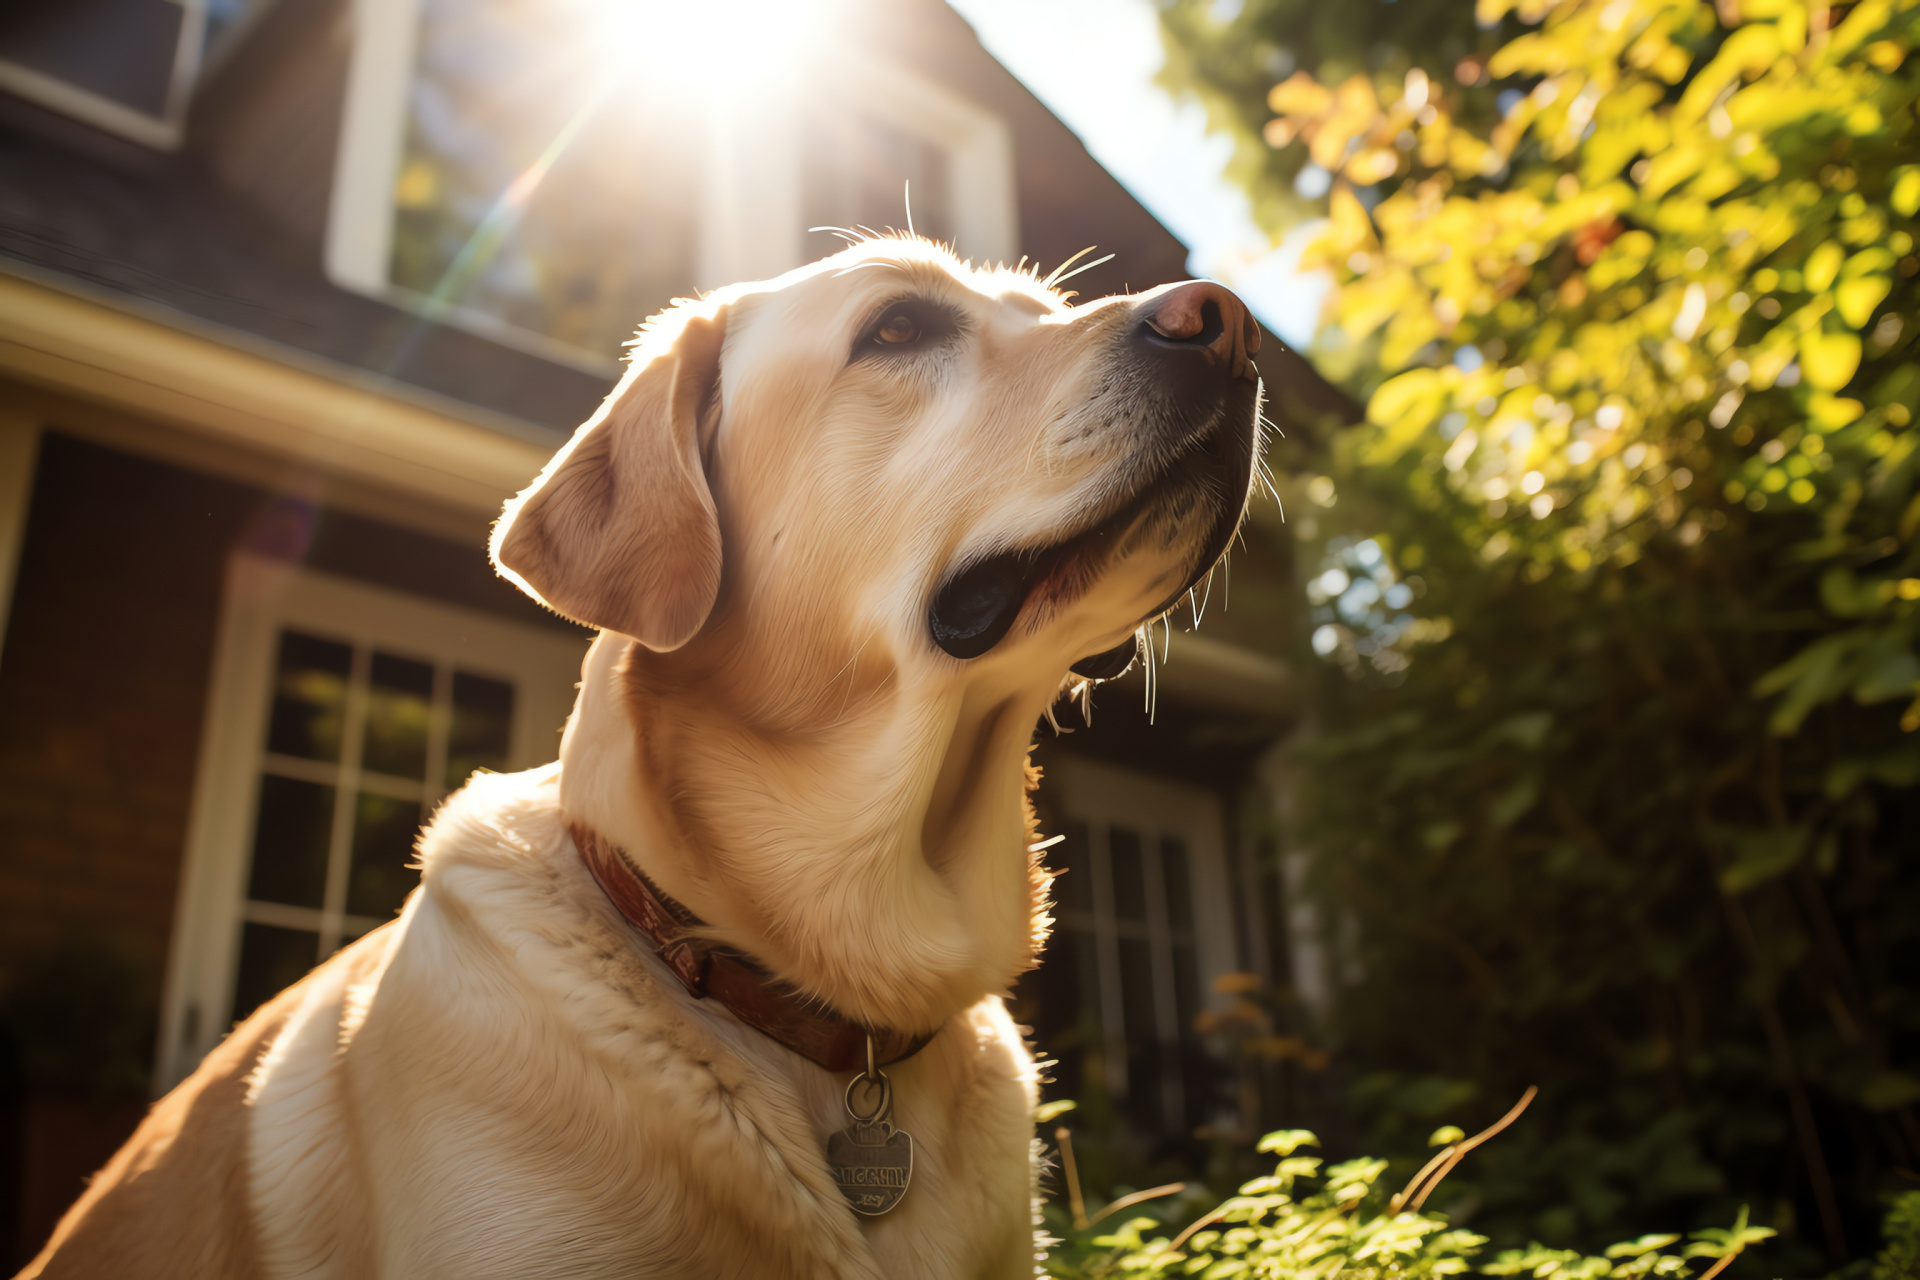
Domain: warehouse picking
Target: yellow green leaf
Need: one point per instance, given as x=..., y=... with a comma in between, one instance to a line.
x=1856, y=299
x=1863, y=120
x=1830, y=413
x=1300, y=95
x=1829, y=360
x=1393, y=400
x=1906, y=192
x=1823, y=264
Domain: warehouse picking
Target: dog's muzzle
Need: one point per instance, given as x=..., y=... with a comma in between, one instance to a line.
x=1196, y=344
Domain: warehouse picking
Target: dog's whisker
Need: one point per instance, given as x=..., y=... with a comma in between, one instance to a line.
x=840, y=715
x=1049, y=281
x=1058, y=279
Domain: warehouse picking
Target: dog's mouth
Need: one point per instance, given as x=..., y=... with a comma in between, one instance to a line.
x=978, y=605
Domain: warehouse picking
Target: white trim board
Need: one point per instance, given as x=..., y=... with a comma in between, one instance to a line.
x=220, y=389
x=163, y=132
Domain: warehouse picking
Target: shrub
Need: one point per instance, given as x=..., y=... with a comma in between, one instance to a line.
x=1617, y=596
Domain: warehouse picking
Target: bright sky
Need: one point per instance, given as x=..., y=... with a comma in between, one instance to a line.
x=1093, y=62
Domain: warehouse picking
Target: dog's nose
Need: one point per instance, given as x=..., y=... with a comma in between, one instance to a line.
x=1206, y=320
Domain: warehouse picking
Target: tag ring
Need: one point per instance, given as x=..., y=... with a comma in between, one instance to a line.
x=886, y=1098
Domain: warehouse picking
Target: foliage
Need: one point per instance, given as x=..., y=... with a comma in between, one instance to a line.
x=1623, y=573
x=1346, y=1226
x=1229, y=67
x=80, y=1022
x=1900, y=1254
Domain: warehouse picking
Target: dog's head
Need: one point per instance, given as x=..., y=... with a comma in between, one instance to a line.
x=879, y=507
x=893, y=446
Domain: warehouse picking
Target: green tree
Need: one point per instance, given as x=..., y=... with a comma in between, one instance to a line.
x=1618, y=590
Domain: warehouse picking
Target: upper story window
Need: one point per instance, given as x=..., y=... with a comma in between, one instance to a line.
x=125, y=66
x=550, y=172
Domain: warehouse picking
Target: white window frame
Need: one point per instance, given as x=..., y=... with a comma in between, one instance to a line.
x=1105, y=796
x=162, y=132
x=750, y=209
x=264, y=596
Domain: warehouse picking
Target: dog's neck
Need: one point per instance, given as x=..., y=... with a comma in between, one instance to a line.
x=882, y=867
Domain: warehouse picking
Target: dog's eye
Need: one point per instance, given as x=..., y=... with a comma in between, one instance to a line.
x=898, y=328
x=907, y=325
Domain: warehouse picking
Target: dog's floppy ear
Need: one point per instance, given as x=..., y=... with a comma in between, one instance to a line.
x=619, y=532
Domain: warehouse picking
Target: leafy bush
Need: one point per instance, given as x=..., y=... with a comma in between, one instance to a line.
x=1618, y=595
x=1346, y=1227
x=1900, y=1256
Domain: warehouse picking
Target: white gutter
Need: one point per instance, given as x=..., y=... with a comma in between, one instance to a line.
x=327, y=417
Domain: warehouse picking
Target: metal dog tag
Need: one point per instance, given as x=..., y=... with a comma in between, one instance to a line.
x=871, y=1160
x=873, y=1164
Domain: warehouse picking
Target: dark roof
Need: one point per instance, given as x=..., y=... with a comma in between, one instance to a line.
x=228, y=233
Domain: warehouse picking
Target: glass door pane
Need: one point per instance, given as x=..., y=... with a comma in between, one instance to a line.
x=360, y=743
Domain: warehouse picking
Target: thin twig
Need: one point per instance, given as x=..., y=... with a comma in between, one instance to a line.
x=1460, y=1149
x=1205, y=1220
x=1726, y=1260
x=1138, y=1197
x=1076, y=1205
x=1440, y=1157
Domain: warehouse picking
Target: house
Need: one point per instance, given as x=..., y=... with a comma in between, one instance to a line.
x=293, y=293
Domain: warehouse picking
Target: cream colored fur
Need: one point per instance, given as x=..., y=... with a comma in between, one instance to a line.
x=505, y=1081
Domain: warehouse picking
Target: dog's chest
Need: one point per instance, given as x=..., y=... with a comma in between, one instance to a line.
x=522, y=1094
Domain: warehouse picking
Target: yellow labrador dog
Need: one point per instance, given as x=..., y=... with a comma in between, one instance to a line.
x=720, y=993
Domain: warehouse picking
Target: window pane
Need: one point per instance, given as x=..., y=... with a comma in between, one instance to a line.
x=309, y=697
x=1186, y=985
x=271, y=959
x=1173, y=861
x=383, y=835
x=1194, y=1066
x=290, y=842
x=399, y=709
x=1143, y=1032
x=1074, y=889
x=1080, y=1040
x=858, y=168
x=482, y=726
x=1129, y=876
x=529, y=190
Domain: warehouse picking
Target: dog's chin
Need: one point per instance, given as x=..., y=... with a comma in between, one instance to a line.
x=1193, y=503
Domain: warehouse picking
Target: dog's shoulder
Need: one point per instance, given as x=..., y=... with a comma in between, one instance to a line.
x=518, y=1019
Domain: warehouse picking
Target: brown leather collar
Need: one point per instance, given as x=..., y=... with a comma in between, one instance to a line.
x=712, y=971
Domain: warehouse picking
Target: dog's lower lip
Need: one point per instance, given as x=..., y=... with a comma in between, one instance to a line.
x=978, y=606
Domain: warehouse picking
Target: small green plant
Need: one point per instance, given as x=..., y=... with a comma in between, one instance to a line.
x=1308, y=1223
